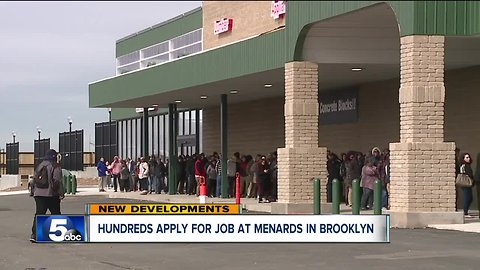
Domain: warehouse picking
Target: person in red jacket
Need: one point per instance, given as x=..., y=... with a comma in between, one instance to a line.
x=199, y=171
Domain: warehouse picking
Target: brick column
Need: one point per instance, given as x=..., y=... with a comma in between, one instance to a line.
x=301, y=159
x=422, y=187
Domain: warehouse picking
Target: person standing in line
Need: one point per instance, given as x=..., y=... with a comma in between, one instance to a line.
x=243, y=176
x=152, y=178
x=333, y=169
x=199, y=171
x=212, y=178
x=369, y=175
x=249, y=184
x=102, y=175
x=48, y=188
x=182, y=174
x=352, y=172
x=109, y=174
x=465, y=168
x=131, y=170
x=254, y=170
x=457, y=171
x=218, y=169
x=190, y=170
x=273, y=176
x=385, y=178
x=116, y=167
x=143, y=176
x=124, y=177
x=231, y=174
x=263, y=181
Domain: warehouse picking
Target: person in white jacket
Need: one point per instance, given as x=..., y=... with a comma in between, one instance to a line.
x=143, y=176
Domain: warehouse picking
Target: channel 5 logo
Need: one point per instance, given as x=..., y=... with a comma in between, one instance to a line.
x=60, y=228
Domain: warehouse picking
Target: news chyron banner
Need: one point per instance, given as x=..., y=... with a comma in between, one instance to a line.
x=162, y=209
x=207, y=223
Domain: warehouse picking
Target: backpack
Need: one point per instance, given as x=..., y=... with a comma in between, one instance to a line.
x=40, y=180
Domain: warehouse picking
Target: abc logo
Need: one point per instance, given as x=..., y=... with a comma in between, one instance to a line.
x=60, y=229
x=72, y=235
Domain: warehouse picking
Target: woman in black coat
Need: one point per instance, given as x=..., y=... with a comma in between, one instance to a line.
x=465, y=168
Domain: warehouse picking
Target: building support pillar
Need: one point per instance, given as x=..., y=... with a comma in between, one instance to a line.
x=422, y=189
x=171, y=149
x=301, y=159
x=197, y=131
x=145, y=134
x=224, y=142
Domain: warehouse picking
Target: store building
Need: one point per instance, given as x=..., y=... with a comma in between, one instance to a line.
x=302, y=77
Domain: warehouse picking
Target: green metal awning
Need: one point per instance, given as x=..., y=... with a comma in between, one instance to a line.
x=253, y=56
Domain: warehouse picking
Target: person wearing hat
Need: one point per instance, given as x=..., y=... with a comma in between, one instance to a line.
x=48, y=198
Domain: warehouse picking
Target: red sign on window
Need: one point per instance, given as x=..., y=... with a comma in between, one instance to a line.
x=279, y=9
x=222, y=26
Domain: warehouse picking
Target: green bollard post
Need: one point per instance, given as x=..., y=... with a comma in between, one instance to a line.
x=355, y=197
x=335, y=196
x=377, y=198
x=69, y=184
x=74, y=185
x=316, y=196
x=65, y=179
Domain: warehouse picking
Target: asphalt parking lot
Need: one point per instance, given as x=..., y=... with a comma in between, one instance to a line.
x=409, y=249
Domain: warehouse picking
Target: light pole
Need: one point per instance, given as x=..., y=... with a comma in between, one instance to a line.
x=14, y=135
x=39, y=132
x=110, y=134
x=70, y=121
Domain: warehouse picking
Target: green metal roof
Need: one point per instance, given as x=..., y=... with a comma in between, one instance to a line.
x=450, y=18
x=254, y=55
x=268, y=51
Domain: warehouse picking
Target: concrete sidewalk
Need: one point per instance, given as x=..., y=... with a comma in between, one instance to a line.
x=247, y=203
x=81, y=191
x=472, y=224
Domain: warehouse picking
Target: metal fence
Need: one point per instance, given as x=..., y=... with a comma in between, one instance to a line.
x=12, y=158
x=71, y=149
x=40, y=148
x=106, y=140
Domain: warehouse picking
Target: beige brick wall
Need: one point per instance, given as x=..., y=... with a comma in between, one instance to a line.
x=254, y=128
x=301, y=159
x=462, y=123
x=422, y=90
x=301, y=104
x=378, y=123
x=422, y=165
x=295, y=173
x=422, y=175
x=250, y=18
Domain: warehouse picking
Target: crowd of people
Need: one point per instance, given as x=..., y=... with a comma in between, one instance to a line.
x=366, y=168
x=258, y=176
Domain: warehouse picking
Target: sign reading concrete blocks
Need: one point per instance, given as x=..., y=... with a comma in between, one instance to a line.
x=338, y=107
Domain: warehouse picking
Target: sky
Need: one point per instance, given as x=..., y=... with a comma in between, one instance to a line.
x=51, y=51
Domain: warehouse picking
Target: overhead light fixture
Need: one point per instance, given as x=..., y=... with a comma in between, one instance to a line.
x=233, y=91
x=203, y=97
x=154, y=105
x=178, y=101
x=357, y=69
x=267, y=85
